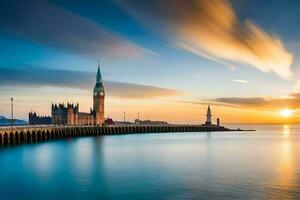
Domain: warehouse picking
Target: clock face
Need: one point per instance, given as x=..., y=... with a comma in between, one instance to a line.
x=101, y=93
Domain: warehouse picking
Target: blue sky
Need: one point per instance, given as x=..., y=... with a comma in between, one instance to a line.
x=158, y=54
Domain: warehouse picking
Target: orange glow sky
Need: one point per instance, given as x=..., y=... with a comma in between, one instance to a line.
x=167, y=60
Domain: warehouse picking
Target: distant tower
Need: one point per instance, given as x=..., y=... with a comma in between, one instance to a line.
x=208, y=116
x=99, y=96
x=218, y=122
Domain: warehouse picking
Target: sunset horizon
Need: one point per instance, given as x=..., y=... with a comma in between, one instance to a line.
x=170, y=68
x=149, y=99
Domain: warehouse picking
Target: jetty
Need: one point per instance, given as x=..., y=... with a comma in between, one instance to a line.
x=33, y=134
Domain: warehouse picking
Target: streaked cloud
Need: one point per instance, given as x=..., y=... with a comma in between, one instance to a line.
x=240, y=81
x=292, y=101
x=204, y=103
x=40, y=77
x=212, y=29
x=40, y=22
x=129, y=90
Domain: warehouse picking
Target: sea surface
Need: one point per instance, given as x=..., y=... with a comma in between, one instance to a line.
x=264, y=164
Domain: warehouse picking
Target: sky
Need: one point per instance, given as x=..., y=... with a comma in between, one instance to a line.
x=166, y=60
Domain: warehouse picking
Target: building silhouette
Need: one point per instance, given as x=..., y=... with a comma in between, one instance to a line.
x=69, y=114
x=34, y=119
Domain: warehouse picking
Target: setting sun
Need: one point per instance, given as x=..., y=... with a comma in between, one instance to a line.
x=286, y=113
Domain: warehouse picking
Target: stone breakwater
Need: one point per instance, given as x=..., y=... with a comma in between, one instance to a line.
x=18, y=135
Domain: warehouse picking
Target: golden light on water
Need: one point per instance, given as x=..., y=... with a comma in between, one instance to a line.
x=286, y=113
x=286, y=131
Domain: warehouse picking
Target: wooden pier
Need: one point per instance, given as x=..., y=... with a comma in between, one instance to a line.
x=27, y=134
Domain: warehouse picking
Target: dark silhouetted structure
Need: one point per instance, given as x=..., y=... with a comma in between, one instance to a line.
x=109, y=121
x=34, y=119
x=149, y=122
x=208, y=116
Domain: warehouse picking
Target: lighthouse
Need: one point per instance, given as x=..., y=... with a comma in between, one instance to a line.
x=208, y=116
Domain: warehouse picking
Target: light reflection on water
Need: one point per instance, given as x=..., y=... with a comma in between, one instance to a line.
x=284, y=182
x=255, y=165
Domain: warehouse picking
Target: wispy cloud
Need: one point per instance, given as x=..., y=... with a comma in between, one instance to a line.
x=129, y=90
x=41, y=22
x=39, y=77
x=240, y=81
x=213, y=30
x=204, y=103
x=292, y=101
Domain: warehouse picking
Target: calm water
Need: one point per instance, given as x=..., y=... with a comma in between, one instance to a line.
x=246, y=165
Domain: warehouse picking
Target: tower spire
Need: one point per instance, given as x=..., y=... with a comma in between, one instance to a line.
x=208, y=110
x=99, y=78
x=99, y=85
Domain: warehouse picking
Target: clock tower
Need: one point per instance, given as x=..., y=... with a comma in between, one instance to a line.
x=99, y=96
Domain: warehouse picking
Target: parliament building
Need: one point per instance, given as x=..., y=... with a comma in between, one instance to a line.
x=68, y=114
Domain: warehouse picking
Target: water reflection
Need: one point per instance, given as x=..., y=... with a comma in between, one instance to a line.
x=285, y=177
x=87, y=166
x=83, y=161
x=286, y=131
x=43, y=160
x=239, y=165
